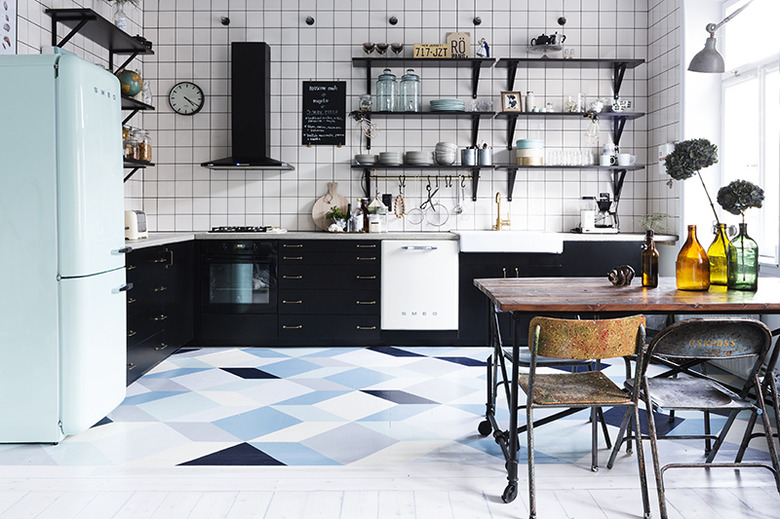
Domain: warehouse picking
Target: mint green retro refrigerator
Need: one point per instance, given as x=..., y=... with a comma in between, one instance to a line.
x=63, y=290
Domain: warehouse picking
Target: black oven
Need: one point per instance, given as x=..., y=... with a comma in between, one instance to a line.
x=238, y=292
x=240, y=277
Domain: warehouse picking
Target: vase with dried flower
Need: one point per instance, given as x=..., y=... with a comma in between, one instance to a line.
x=694, y=266
x=742, y=253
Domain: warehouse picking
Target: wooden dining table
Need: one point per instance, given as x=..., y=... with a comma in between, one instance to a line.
x=597, y=297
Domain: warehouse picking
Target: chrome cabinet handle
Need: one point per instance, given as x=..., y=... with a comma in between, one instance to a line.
x=292, y=277
x=130, y=300
x=365, y=302
x=130, y=333
x=369, y=258
x=169, y=251
x=292, y=257
x=130, y=366
x=365, y=327
x=161, y=347
x=160, y=260
x=296, y=327
x=130, y=267
x=286, y=302
x=293, y=246
x=123, y=250
x=161, y=288
x=366, y=246
x=160, y=317
x=365, y=277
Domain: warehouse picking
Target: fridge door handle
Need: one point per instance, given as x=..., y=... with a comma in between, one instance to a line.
x=123, y=250
x=123, y=288
x=419, y=247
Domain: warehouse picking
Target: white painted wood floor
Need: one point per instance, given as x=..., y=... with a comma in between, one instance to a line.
x=349, y=492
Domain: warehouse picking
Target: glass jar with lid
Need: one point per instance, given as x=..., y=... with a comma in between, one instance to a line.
x=411, y=92
x=386, y=92
x=144, y=146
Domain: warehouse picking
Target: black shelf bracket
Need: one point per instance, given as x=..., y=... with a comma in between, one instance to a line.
x=132, y=172
x=511, y=74
x=475, y=68
x=619, y=71
x=618, y=123
x=474, y=183
x=367, y=182
x=511, y=125
x=510, y=182
x=132, y=114
x=474, y=128
x=70, y=35
x=127, y=61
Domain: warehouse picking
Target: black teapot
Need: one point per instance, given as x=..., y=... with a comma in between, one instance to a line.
x=541, y=40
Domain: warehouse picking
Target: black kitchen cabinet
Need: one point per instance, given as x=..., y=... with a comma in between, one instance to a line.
x=160, y=305
x=579, y=259
x=329, y=292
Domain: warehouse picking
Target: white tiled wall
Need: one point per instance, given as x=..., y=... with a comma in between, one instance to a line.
x=192, y=44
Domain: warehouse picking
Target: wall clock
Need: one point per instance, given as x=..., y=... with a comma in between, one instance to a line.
x=186, y=98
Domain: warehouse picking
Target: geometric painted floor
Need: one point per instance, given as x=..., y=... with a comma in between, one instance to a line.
x=405, y=414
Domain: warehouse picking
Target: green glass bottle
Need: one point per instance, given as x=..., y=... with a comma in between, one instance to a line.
x=717, y=255
x=743, y=261
x=693, y=266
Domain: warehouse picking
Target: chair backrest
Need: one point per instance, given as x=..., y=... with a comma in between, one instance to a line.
x=587, y=339
x=715, y=338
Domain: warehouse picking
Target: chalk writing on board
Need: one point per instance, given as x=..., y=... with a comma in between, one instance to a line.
x=324, y=113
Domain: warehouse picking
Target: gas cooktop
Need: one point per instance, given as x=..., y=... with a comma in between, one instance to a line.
x=242, y=228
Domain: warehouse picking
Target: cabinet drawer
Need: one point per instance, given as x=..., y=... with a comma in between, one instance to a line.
x=325, y=329
x=329, y=302
x=363, y=276
x=291, y=247
x=334, y=259
x=142, y=326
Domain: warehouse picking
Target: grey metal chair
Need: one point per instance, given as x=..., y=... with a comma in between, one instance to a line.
x=696, y=341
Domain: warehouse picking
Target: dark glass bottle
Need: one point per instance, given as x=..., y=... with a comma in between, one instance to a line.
x=743, y=261
x=364, y=209
x=693, y=265
x=649, y=262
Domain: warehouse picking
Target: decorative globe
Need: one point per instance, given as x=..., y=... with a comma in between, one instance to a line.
x=131, y=82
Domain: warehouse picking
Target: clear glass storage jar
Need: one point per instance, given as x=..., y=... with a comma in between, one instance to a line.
x=386, y=92
x=411, y=92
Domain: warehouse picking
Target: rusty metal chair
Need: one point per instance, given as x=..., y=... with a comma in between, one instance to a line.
x=696, y=341
x=499, y=359
x=582, y=339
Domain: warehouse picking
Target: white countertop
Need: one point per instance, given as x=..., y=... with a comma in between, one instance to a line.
x=162, y=238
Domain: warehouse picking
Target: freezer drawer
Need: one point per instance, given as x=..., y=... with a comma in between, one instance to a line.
x=419, y=285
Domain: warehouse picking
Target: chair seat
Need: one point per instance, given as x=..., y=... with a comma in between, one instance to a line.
x=687, y=392
x=575, y=389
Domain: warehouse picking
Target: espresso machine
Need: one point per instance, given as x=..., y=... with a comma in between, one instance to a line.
x=606, y=216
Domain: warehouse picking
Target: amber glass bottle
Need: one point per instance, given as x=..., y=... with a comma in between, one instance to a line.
x=717, y=255
x=649, y=262
x=693, y=265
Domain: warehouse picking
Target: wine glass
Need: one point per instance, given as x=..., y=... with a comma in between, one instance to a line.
x=397, y=47
x=381, y=48
x=368, y=47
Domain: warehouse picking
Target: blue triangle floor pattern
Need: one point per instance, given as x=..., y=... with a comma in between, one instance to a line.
x=316, y=406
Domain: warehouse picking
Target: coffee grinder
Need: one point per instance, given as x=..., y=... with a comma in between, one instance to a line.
x=606, y=219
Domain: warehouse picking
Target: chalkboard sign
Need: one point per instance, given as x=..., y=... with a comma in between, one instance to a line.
x=324, y=113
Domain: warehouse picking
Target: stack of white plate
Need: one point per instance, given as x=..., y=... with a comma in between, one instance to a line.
x=364, y=159
x=419, y=158
x=391, y=158
x=448, y=105
x=446, y=153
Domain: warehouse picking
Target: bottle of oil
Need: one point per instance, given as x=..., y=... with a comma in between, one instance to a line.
x=693, y=265
x=649, y=262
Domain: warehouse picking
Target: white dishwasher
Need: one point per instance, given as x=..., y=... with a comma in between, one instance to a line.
x=419, y=285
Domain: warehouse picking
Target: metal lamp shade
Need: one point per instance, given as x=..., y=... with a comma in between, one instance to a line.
x=708, y=59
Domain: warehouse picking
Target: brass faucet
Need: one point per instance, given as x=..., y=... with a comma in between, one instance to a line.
x=500, y=224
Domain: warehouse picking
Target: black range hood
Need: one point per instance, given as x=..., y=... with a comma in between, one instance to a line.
x=250, y=101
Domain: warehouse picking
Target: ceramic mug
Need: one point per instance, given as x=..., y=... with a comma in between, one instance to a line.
x=626, y=159
x=607, y=160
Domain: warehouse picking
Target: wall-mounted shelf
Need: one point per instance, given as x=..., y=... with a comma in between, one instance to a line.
x=475, y=64
x=474, y=117
x=135, y=165
x=618, y=120
x=426, y=172
x=128, y=103
x=618, y=174
x=94, y=27
x=618, y=66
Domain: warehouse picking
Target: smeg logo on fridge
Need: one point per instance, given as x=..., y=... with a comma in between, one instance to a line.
x=415, y=313
x=101, y=92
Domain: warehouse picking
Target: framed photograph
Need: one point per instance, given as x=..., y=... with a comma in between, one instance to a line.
x=7, y=26
x=510, y=102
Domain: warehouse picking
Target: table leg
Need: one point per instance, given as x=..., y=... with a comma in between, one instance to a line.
x=510, y=493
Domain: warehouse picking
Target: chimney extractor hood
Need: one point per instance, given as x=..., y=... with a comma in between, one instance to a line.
x=250, y=101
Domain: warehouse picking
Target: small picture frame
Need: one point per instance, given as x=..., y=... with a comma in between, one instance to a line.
x=511, y=102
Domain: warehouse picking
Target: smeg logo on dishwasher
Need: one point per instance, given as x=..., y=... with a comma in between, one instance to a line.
x=414, y=313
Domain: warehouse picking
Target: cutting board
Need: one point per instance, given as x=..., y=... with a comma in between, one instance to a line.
x=325, y=202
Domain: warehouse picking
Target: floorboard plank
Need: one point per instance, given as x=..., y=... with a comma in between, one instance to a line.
x=250, y=505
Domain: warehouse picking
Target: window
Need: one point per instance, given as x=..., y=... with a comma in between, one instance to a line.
x=751, y=116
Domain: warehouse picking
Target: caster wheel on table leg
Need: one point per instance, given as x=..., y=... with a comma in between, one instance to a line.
x=484, y=428
x=510, y=493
